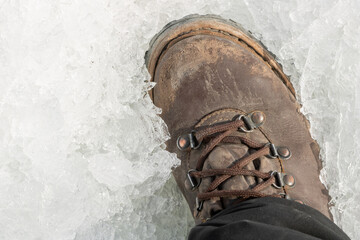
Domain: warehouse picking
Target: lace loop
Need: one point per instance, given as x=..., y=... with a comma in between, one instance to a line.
x=220, y=133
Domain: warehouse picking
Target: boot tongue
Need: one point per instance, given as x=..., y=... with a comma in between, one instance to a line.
x=224, y=156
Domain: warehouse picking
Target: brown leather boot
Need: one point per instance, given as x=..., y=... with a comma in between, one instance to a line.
x=233, y=118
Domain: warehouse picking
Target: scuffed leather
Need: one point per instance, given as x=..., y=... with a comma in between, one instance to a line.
x=206, y=71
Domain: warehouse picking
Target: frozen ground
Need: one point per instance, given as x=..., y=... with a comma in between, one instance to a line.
x=81, y=146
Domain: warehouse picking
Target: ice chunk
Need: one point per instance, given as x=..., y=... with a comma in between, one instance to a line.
x=81, y=146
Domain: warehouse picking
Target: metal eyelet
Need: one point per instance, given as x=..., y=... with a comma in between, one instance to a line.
x=183, y=142
x=284, y=152
x=289, y=180
x=188, y=140
x=281, y=152
x=193, y=181
x=257, y=118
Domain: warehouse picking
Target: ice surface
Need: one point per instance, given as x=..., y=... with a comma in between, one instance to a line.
x=81, y=146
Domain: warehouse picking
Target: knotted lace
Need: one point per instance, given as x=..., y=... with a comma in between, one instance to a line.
x=220, y=133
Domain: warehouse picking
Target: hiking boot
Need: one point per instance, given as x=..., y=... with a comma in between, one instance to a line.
x=233, y=118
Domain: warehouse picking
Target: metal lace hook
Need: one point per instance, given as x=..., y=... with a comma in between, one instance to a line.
x=278, y=179
x=193, y=181
x=247, y=123
x=199, y=204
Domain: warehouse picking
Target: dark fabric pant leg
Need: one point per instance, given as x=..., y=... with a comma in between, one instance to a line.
x=268, y=218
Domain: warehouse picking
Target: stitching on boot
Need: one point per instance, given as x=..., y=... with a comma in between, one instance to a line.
x=217, y=113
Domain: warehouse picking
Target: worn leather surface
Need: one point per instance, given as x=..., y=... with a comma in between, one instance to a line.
x=205, y=70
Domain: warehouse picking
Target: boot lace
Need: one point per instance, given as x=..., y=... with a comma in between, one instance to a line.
x=216, y=134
